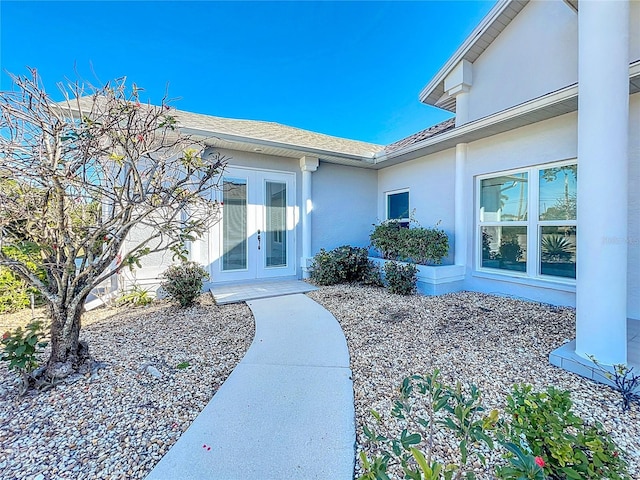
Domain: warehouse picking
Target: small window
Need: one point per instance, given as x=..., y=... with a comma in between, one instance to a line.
x=398, y=206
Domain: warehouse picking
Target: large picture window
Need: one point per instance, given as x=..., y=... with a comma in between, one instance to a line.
x=527, y=221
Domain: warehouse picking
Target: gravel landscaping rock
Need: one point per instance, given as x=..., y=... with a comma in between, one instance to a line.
x=119, y=420
x=492, y=342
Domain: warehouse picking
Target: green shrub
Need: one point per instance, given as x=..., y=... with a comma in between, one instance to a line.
x=401, y=278
x=21, y=348
x=184, y=282
x=14, y=292
x=417, y=244
x=343, y=265
x=542, y=438
x=544, y=425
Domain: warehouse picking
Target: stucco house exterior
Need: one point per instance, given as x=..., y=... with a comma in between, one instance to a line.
x=541, y=91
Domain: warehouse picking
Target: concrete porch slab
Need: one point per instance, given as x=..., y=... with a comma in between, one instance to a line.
x=243, y=292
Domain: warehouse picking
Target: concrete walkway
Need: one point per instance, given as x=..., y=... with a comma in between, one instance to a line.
x=285, y=412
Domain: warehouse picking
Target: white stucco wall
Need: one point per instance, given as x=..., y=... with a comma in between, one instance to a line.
x=431, y=184
x=344, y=206
x=534, y=55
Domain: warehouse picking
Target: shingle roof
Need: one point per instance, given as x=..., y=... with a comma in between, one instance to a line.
x=421, y=135
x=291, y=137
x=276, y=132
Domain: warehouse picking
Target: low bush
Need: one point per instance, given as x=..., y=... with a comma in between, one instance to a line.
x=184, y=282
x=544, y=424
x=343, y=265
x=540, y=439
x=401, y=278
x=415, y=244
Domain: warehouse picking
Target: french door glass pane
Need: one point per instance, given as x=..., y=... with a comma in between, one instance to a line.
x=558, y=251
x=504, y=198
x=276, y=224
x=558, y=193
x=234, y=224
x=504, y=248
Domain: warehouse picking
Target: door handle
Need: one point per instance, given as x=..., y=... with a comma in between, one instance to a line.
x=258, y=239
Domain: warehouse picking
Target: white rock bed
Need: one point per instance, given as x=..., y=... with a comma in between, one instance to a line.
x=487, y=340
x=119, y=425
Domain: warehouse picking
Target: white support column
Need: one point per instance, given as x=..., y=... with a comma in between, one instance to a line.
x=307, y=165
x=460, y=234
x=603, y=126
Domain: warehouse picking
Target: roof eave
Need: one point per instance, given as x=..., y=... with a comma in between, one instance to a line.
x=332, y=156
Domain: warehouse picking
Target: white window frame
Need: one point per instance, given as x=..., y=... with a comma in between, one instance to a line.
x=386, y=204
x=533, y=224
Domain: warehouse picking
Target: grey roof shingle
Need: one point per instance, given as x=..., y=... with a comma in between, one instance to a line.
x=421, y=135
x=276, y=132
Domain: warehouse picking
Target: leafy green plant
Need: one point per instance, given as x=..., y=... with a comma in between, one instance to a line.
x=342, y=265
x=414, y=244
x=21, y=348
x=137, y=296
x=457, y=410
x=401, y=278
x=184, y=282
x=544, y=425
x=183, y=365
x=624, y=380
x=521, y=465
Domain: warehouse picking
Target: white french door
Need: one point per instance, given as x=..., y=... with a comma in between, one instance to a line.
x=255, y=237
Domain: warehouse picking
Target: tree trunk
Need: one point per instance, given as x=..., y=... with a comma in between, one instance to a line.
x=68, y=353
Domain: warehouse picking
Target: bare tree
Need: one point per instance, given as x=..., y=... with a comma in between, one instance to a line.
x=76, y=177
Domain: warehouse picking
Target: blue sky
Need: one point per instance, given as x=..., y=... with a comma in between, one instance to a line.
x=350, y=69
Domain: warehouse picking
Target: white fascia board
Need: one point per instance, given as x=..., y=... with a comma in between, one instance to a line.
x=504, y=115
x=484, y=25
x=316, y=152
